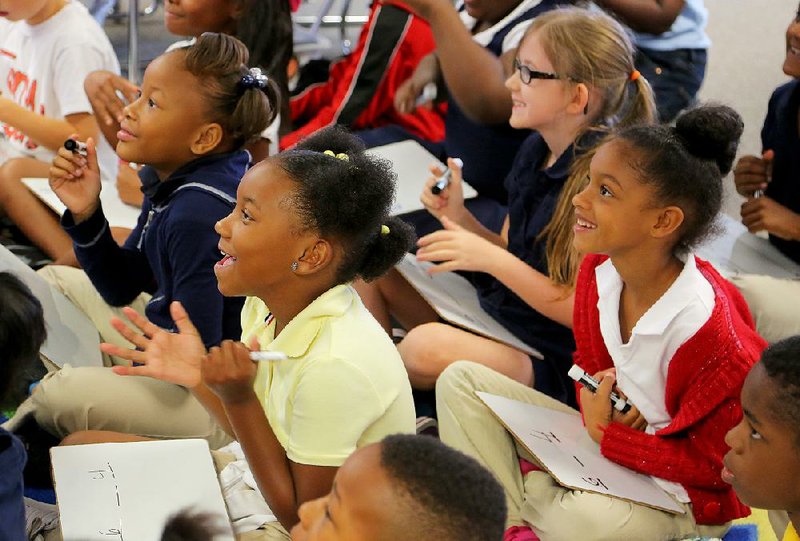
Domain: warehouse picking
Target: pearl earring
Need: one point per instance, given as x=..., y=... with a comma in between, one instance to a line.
x=294, y=266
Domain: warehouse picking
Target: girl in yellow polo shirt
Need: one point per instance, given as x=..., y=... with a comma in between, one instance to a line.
x=306, y=223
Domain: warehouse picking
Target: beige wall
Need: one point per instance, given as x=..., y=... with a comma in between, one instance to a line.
x=744, y=64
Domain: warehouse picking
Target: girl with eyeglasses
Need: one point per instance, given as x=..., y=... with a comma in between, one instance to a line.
x=575, y=79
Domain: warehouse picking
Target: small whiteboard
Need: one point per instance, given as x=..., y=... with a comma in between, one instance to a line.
x=127, y=491
x=561, y=444
x=456, y=301
x=737, y=251
x=71, y=337
x=410, y=161
x=117, y=212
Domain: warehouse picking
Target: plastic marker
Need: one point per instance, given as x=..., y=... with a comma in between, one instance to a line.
x=76, y=147
x=444, y=181
x=578, y=374
x=270, y=356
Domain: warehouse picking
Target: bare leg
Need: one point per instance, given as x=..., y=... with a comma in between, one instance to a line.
x=428, y=349
x=38, y=222
x=391, y=295
x=100, y=436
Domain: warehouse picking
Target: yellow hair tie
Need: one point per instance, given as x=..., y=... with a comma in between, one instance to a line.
x=385, y=230
x=342, y=156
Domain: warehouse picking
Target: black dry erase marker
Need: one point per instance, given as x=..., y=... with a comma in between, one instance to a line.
x=578, y=374
x=443, y=181
x=76, y=147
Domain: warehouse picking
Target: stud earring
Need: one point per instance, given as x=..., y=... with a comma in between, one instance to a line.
x=294, y=266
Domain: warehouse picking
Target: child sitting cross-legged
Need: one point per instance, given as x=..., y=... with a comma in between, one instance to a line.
x=307, y=222
x=651, y=320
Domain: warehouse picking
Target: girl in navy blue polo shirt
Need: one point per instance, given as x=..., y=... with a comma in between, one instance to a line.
x=525, y=275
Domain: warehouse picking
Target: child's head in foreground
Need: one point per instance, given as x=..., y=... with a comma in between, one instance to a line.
x=22, y=333
x=657, y=185
x=407, y=488
x=763, y=464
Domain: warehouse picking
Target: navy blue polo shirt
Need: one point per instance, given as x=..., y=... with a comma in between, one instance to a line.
x=12, y=509
x=780, y=134
x=532, y=196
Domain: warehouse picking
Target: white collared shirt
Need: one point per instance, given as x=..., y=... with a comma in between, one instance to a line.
x=512, y=39
x=642, y=363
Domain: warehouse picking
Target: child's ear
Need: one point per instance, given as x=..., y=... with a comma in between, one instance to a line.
x=668, y=221
x=207, y=138
x=315, y=257
x=580, y=100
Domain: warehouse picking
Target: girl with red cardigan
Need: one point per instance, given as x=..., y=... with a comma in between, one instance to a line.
x=651, y=322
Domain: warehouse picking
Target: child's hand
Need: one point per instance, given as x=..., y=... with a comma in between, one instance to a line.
x=229, y=372
x=450, y=201
x=753, y=173
x=75, y=179
x=101, y=88
x=171, y=357
x=596, y=407
x=633, y=418
x=457, y=249
x=766, y=214
x=405, y=97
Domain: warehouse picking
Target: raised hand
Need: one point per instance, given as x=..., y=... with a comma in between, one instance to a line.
x=101, y=88
x=172, y=357
x=75, y=179
x=449, y=202
x=228, y=371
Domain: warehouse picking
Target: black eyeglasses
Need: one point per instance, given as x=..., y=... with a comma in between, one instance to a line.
x=526, y=74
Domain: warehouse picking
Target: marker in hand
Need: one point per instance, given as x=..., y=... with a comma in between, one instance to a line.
x=76, y=147
x=429, y=92
x=578, y=374
x=269, y=356
x=444, y=181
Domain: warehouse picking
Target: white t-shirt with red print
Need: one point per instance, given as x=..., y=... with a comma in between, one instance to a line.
x=42, y=68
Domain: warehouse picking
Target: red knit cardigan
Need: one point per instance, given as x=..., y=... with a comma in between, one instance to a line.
x=704, y=381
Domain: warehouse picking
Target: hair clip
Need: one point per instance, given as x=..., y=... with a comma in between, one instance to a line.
x=635, y=75
x=342, y=156
x=254, y=78
x=385, y=230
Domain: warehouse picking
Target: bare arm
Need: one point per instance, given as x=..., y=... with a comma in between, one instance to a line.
x=474, y=76
x=650, y=16
x=285, y=485
x=45, y=131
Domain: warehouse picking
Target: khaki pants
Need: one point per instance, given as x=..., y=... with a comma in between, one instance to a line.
x=773, y=303
x=94, y=398
x=270, y=531
x=76, y=286
x=553, y=512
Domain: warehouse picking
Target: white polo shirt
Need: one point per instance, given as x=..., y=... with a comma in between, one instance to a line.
x=643, y=362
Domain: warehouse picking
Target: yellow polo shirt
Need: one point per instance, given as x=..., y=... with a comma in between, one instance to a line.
x=790, y=534
x=343, y=386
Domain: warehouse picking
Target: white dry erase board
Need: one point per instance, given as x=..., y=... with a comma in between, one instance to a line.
x=737, y=251
x=561, y=444
x=410, y=161
x=127, y=491
x=71, y=336
x=456, y=301
x=118, y=213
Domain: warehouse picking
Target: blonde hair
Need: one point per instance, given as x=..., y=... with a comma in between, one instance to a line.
x=594, y=49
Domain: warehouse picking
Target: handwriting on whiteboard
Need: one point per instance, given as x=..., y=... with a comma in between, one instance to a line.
x=107, y=476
